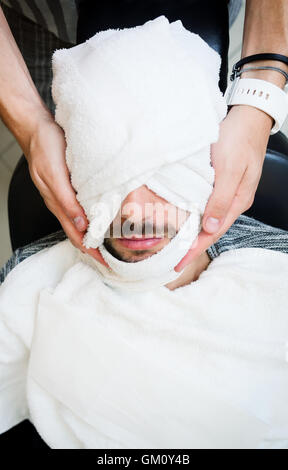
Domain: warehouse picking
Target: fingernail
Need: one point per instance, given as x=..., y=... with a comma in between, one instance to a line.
x=79, y=223
x=212, y=224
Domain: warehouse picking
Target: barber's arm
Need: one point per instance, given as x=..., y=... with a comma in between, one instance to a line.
x=239, y=153
x=41, y=139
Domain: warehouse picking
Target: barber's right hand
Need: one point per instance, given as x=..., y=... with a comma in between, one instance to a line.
x=45, y=153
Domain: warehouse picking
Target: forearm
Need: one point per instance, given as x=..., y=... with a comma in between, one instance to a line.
x=266, y=30
x=20, y=103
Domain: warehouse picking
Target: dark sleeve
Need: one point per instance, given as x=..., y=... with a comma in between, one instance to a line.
x=247, y=232
x=21, y=253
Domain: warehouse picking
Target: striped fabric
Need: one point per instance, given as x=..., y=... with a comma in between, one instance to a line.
x=36, y=45
x=57, y=16
x=234, y=6
x=246, y=232
x=60, y=16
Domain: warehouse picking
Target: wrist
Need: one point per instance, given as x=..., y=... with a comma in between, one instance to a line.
x=253, y=116
x=23, y=117
x=271, y=76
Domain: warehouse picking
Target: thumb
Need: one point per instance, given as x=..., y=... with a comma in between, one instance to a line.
x=219, y=203
x=68, y=203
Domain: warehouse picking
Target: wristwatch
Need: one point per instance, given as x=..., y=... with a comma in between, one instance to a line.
x=261, y=94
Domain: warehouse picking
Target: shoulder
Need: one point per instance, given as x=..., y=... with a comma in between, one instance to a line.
x=247, y=232
x=19, y=292
x=30, y=249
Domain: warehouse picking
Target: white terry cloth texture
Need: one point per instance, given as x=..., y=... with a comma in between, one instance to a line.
x=140, y=106
x=96, y=367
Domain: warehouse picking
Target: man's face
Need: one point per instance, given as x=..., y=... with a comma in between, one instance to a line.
x=145, y=223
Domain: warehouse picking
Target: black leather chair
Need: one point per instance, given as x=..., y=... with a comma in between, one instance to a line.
x=29, y=218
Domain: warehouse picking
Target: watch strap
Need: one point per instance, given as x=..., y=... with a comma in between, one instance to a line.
x=261, y=94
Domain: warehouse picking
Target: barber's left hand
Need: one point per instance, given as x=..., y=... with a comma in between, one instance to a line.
x=237, y=158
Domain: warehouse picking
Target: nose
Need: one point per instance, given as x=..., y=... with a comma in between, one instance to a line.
x=139, y=196
x=133, y=206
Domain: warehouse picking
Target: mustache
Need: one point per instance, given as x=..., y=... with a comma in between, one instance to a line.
x=143, y=228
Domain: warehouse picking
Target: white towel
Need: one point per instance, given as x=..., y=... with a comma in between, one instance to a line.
x=203, y=366
x=94, y=365
x=140, y=106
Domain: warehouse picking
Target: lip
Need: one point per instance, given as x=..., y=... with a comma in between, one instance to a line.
x=139, y=243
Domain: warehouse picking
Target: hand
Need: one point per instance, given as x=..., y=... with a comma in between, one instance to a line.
x=45, y=153
x=237, y=158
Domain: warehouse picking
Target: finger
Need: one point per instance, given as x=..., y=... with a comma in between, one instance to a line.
x=69, y=228
x=241, y=202
x=95, y=253
x=217, y=207
x=77, y=240
x=202, y=242
x=65, y=196
x=76, y=237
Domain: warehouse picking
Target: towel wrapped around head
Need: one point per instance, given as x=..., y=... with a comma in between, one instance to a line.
x=140, y=106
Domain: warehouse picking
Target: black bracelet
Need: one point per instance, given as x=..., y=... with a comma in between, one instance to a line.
x=251, y=58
